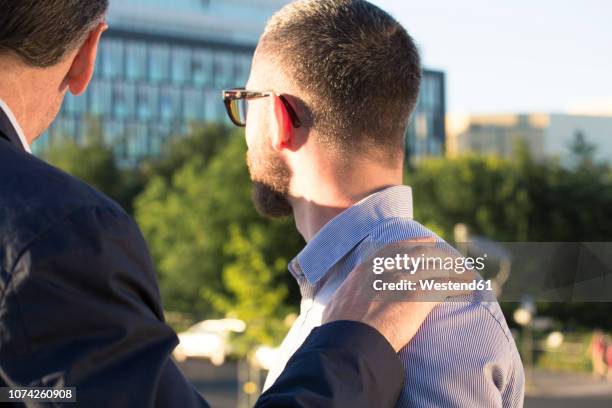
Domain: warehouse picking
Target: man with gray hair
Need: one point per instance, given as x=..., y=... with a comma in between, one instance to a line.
x=326, y=107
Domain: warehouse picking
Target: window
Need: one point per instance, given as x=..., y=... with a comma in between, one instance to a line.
x=181, y=65
x=136, y=66
x=147, y=102
x=202, y=67
x=435, y=93
x=193, y=104
x=75, y=105
x=243, y=69
x=170, y=101
x=137, y=140
x=124, y=100
x=130, y=99
x=65, y=128
x=430, y=92
x=114, y=136
x=157, y=136
x=113, y=133
x=159, y=63
x=100, y=98
x=111, y=58
x=213, y=107
x=224, y=70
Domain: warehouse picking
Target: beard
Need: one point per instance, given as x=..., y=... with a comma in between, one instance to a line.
x=271, y=178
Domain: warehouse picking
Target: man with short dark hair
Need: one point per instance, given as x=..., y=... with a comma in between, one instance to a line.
x=332, y=85
x=79, y=302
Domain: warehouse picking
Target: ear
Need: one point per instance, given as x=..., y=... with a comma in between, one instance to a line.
x=82, y=67
x=282, y=135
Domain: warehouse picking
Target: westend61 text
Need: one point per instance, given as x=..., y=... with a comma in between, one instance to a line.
x=432, y=285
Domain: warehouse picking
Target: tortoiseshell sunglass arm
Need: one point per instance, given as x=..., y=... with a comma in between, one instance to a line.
x=239, y=93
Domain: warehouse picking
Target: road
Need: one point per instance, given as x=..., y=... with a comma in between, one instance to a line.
x=218, y=384
x=549, y=390
x=567, y=390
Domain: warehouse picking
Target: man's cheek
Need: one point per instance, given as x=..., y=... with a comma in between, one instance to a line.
x=248, y=135
x=254, y=165
x=255, y=128
x=250, y=164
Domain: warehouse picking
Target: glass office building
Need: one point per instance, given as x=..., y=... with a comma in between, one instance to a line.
x=426, y=135
x=161, y=67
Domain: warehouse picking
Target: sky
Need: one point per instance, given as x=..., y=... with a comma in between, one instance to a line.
x=515, y=56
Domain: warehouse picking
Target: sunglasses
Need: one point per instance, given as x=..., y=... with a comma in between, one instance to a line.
x=236, y=104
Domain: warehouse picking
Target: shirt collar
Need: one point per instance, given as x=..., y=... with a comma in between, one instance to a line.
x=343, y=232
x=13, y=121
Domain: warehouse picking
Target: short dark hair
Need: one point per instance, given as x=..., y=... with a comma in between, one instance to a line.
x=41, y=32
x=358, y=65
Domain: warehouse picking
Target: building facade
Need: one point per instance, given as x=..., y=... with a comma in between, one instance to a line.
x=161, y=68
x=546, y=136
x=426, y=135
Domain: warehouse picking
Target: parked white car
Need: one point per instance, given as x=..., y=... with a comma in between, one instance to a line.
x=265, y=357
x=207, y=339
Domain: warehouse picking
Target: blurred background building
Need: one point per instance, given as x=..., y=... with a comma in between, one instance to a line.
x=546, y=136
x=161, y=68
x=426, y=135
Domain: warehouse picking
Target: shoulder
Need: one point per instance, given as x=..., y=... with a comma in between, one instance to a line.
x=35, y=197
x=477, y=327
x=467, y=338
x=454, y=321
x=468, y=347
x=471, y=323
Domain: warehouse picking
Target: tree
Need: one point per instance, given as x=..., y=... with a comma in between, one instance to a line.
x=568, y=204
x=205, y=141
x=523, y=201
x=483, y=192
x=582, y=150
x=95, y=164
x=254, y=294
x=187, y=219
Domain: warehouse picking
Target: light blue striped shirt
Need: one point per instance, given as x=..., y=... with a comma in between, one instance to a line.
x=464, y=354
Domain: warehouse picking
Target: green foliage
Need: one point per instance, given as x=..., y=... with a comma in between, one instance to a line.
x=485, y=193
x=205, y=141
x=95, y=164
x=568, y=204
x=186, y=217
x=514, y=201
x=92, y=162
x=254, y=294
x=582, y=150
x=522, y=201
x=571, y=356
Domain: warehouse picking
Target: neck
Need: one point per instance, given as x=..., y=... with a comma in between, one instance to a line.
x=316, y=203
x=13, y=94
x=26, y=91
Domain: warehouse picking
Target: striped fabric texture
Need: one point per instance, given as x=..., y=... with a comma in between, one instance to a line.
x=464, y=355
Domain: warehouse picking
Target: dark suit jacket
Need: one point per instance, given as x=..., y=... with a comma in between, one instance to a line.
x=80, y=307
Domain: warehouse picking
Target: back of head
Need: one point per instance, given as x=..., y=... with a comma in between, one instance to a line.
x=41, y=32
x=357, y=68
